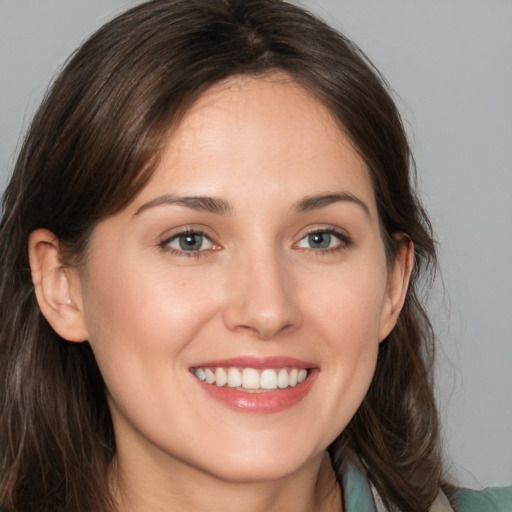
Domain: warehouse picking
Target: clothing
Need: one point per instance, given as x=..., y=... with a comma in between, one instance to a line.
x=360, y=497
x=495, y=499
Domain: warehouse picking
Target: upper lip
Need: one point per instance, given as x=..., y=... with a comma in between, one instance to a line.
x=257, y=362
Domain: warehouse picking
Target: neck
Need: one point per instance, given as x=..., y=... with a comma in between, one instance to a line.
x=312, y=488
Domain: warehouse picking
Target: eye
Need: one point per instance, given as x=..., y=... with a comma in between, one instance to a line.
x=324, y=239
x=188, y=241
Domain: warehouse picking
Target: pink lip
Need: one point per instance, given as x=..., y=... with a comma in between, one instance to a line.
x=262, y=402
x=257, y=363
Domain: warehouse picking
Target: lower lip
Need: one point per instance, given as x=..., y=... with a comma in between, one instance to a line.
x=265, y=402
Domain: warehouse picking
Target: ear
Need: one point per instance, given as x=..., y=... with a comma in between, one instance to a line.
x=398, y=282
x=57, y=287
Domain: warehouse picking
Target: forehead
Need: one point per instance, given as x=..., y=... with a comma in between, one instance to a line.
x=262, y=132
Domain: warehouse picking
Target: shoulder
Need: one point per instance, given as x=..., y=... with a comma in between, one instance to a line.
x=492, y=499
x=360, y=495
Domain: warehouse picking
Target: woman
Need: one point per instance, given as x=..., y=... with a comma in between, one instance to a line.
x=211, y=252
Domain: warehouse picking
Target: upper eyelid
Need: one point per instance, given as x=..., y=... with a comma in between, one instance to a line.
x=325, y=230
x=343, y=235
x=185, y=230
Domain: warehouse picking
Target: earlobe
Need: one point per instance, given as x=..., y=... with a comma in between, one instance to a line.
x=57, y=288
x=398, y=283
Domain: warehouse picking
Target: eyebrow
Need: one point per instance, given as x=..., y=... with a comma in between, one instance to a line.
x=322, y=200
x=201, y=203
x=220, y=206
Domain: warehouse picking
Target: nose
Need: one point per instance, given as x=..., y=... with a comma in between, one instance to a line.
x=260, y=298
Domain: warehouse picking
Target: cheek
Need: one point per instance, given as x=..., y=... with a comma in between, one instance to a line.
x=142, y=324
x=348, y=302
x=143, y=318
x=347, y=313
x=355, y=323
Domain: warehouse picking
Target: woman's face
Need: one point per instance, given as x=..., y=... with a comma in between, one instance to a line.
x=235, y=307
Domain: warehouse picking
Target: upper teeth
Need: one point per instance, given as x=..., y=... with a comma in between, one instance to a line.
x=251, y=378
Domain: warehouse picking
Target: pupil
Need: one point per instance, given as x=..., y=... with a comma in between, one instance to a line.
x=192, y=241
x=320, y=240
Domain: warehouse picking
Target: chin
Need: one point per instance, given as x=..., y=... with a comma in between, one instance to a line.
x=261, y=463
x=251, y=472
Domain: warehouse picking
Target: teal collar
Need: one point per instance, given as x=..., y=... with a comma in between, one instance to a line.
x=357, y=494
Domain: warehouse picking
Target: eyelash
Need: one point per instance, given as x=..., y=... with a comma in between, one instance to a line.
x=165, y=244
x=343, y=239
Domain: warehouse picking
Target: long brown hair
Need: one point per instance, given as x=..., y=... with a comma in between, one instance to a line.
x=93, y=145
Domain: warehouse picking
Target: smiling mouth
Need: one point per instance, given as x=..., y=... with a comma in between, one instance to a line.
x=252, y=379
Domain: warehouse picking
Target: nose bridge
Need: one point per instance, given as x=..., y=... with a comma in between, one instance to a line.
x=260, y=293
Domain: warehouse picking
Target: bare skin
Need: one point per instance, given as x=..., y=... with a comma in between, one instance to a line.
x=202, y=494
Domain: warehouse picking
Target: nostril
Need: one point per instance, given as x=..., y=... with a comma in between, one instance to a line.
x=264, y=332
x=259, y=301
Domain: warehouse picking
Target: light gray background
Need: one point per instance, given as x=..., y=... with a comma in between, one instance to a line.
x=450, y=63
